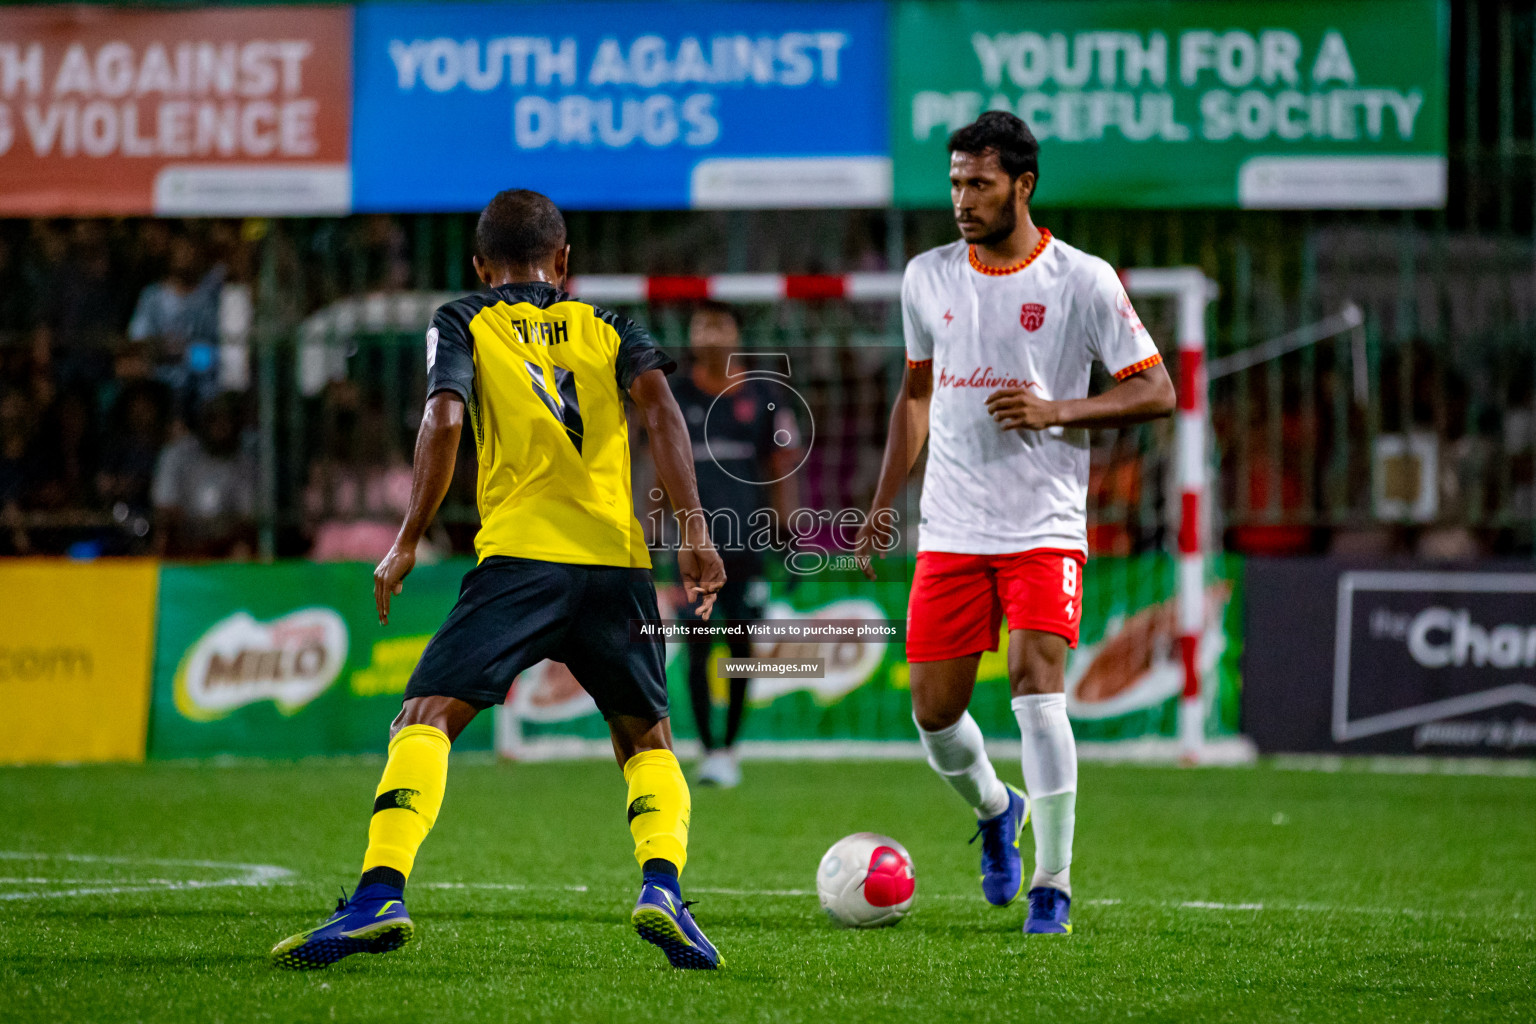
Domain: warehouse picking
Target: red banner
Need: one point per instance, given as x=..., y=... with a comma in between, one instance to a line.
x=236, y=111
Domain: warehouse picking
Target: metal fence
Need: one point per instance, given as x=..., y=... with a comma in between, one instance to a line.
x=1414, y=432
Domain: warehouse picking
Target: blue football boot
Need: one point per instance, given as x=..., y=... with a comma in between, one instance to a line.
x=1048, y=912
x=663, y=920
x=374, y=920
x=1002, y=868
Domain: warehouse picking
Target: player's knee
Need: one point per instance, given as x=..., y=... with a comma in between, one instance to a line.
x=446, y=714
x=936, y=719
x=1036, y=677
x=635, y=735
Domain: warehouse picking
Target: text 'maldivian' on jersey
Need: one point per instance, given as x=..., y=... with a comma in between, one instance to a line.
x=1039, y=325
x=543, y=376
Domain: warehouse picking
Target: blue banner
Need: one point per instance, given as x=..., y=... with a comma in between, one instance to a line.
x=621, y=105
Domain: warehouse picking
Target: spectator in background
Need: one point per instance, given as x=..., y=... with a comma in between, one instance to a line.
x=381, y=251
x=147, y=254
x=15, y=310
x=61, y=460
x=64, y=455
x=181, y=313
x=1424, y=392
x=85, y=309
x=137, y=428
x=204, y=489
x=46, y=264
x=360, y=486
x=16, y=426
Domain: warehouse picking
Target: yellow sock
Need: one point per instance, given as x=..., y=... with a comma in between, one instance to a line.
x=659, y=807
x=409, y=796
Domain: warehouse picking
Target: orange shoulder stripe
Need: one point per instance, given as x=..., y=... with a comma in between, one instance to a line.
x=1136, y=368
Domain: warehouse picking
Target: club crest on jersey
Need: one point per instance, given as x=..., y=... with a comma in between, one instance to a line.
x=1031, y=316
x=1128, y=312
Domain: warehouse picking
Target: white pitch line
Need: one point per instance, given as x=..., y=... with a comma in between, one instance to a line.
x=502, y=886
x=1211, y=905
x=753, y=892
x=259, y=875
x=116, y=890
x=88, y=858
x=251, y=875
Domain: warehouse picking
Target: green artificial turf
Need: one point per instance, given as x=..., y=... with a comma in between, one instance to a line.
x=1323, y=897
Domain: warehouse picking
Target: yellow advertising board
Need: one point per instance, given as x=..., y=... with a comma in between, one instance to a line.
x=75, y=646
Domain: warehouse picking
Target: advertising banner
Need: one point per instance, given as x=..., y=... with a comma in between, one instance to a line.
x=1123, y=681
x=109, y=110
x=289, y=660
x=610, y=106
x=1350, y=659
x=74, y=659
x=1176, y=103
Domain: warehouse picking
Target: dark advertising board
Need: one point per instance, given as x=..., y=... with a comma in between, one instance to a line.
x=1375, y=659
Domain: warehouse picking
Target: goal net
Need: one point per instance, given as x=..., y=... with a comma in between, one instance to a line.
x=1155, y=673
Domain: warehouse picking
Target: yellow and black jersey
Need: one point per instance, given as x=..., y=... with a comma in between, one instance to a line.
x=543, y=376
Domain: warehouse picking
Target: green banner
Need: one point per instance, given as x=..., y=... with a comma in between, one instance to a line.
x=1175, y=103
x=289, y=660
x=1123, y=681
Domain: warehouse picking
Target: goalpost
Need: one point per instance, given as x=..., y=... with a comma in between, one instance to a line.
x=1187, y=288
x=1193, y=292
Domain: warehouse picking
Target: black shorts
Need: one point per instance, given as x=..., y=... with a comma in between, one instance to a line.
x=515, y=612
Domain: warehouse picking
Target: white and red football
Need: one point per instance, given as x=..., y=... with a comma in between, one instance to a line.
x=866, y=880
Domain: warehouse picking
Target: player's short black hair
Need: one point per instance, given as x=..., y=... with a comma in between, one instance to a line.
x=519, y=227
x=714, y=307
x=1000, y=132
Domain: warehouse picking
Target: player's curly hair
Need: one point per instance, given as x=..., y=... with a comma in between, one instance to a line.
x=519, y=227
x=1000, y=132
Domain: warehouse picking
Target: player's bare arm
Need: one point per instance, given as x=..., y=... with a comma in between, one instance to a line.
x=437, y=449
x=904, y=440
x=697, y=560
x=1142, y=396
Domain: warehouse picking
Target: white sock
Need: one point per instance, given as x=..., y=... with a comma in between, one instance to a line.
x=960, y=755
x=1050, y=779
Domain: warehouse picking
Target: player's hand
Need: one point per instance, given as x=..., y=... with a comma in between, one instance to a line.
x=864, y=547
x=389, y=578
x=703, y=574
x=1018, y=409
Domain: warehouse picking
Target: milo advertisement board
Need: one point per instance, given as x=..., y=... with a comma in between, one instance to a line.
x=1123, y=681
x=288, y=660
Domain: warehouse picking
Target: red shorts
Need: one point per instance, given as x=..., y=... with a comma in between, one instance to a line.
x=958, y=601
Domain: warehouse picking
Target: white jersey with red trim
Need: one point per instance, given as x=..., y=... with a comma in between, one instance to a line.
x=1038, y=325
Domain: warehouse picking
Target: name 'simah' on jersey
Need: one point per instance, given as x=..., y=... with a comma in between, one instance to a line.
x=542, y=332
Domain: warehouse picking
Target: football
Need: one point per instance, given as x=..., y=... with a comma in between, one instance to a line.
x=866, y=880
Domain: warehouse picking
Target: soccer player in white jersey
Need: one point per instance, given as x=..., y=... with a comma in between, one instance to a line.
x=1001, y=330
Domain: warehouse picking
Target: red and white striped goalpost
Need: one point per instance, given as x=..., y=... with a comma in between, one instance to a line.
x=1190, y=289
x=1193, y=291
x=1186, y=286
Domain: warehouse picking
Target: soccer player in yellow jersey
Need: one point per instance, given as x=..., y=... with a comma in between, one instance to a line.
x=563, y=567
